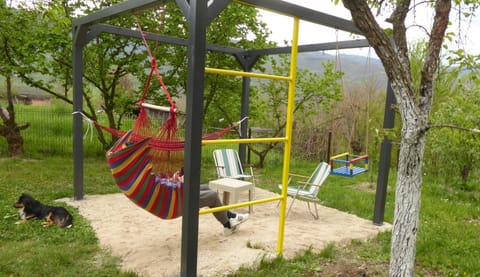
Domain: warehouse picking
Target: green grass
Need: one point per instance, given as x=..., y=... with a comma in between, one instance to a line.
x=450, y=224
x=447, y=244
x=50, y=132
x=30, y=249
x=448, y=241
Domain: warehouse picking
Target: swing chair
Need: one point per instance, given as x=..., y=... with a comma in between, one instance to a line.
x=347, y=164
x=145, y=162
x=350, y=165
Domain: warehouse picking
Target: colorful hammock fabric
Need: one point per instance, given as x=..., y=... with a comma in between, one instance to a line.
x=131, y=166
x=144, y=161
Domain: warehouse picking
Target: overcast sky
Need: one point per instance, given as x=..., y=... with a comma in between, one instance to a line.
x=281, y=27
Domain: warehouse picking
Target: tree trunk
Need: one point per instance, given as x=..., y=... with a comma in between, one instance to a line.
x=15, y=143
x=9, y=128
x=414, y=104
x=407, y=207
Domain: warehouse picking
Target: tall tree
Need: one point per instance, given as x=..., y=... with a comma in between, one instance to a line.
x=414, y=105
x=313, y=93
x=13, y=31
x=453, y=148
x=455, y=153
x=109, y=59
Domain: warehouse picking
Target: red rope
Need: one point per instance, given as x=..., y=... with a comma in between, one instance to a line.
x=154, y=65
x=145, y=89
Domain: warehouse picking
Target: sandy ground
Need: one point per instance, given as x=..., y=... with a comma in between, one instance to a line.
x=152, y=247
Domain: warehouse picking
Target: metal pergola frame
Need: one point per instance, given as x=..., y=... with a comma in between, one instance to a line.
x=199, y=14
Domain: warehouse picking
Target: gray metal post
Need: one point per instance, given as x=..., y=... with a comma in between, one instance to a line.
x=193, y=134
x=384, y=163
x=77, y=61
x=247, y=61
x=243, y=113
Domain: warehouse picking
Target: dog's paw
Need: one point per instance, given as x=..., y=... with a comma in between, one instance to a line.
x=20, y=222
x=46, y=224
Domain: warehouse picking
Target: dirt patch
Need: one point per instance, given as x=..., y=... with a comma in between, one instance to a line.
x=151, y=246
x=475, y=221
x=343, y=268
x=365, y=186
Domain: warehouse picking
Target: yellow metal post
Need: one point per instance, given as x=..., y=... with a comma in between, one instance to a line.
x=288, y=133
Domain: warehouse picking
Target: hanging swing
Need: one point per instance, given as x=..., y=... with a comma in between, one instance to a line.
x=347, y=164
x=144, y=161
x=350, y=165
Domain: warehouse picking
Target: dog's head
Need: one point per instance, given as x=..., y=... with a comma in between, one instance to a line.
x=25, y=200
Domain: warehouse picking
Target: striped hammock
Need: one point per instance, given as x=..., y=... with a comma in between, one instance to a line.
x=131, y=166
x=144, y=161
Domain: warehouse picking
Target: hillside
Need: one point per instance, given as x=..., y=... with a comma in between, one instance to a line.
x=357, y=69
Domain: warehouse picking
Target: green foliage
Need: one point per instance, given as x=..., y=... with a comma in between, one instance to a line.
x=31, y=250
x=37, y=49
x=449, y=226
x=305, y=264
x=328, y=252
x=449, y=218
x=112, y=64
x=314, y=94
x=15, y=49
x=449, y=223
x=465, y=10
x=454, y=149
x=237, y=27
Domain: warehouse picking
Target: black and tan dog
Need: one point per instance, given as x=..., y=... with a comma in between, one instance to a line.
x=30, y=208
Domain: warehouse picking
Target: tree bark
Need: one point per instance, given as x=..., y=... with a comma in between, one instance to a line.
x=9, y=128
x=407, y=205
x=414, y=106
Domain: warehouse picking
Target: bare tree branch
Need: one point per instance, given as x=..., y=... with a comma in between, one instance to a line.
x=400, y=32
x=440, y=24
x=471, y=130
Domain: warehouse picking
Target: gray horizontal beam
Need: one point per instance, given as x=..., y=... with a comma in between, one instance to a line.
x=306, y=14
x=277, y=6
x=130, y=6
x=347, y=44
x=104, y=28
x=281, y=7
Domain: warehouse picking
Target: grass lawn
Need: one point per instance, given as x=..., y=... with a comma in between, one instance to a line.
x=31, y=250
x=448, y=241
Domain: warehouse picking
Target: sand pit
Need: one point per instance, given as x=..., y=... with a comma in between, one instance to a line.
x=152, y=247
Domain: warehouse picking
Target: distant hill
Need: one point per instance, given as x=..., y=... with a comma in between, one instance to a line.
x=357, y=68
